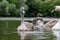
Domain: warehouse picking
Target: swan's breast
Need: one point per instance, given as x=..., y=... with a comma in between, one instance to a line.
x=22, y=27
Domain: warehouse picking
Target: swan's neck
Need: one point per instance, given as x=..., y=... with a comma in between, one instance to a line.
x=22, y=18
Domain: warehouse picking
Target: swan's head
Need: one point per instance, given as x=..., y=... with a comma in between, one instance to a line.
x=56, y=8
x=22, y=10
x=37, y=21
x=39, y=14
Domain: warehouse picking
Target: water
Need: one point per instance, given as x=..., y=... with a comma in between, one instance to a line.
x=57, y=34
x=37, y=35
x=8, y=32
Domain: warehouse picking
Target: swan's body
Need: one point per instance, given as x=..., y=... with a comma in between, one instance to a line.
x=57, y=26
x=25, y=26
x=56, y=30
x=39, y=24
x=50, y=24
x=56, y=8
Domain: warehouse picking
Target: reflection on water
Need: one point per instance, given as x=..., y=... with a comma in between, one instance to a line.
x=36, y=35
x=57, y=34
x=29, y=36
x=8, y=34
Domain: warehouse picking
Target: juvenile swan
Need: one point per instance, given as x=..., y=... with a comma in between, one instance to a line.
x=25, y=26
x=57, y=26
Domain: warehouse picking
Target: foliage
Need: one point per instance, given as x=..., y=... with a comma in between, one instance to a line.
x=42, y=6
x=16, y=2
x=4, y=7
x=32, y=7
x=7, y=9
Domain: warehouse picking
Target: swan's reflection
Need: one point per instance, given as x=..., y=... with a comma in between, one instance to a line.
x=57, y=34
x=29, y=35
x=56, y=30
x=35, y=35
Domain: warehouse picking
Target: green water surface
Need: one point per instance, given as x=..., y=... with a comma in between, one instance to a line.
x=8, y=27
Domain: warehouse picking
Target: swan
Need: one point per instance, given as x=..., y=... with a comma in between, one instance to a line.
x=56, y=30
x=24, y=26
x=39, y=23
x=50, y=24
x=57, y=26
x=56, y=8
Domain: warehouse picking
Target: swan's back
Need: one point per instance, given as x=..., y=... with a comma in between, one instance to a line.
x=57, y=8
x=30, y=26
x=57, y=26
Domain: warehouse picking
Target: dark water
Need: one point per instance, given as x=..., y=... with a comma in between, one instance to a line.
x=8, y=32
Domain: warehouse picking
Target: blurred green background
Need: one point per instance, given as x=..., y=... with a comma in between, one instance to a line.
x=10, y=8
